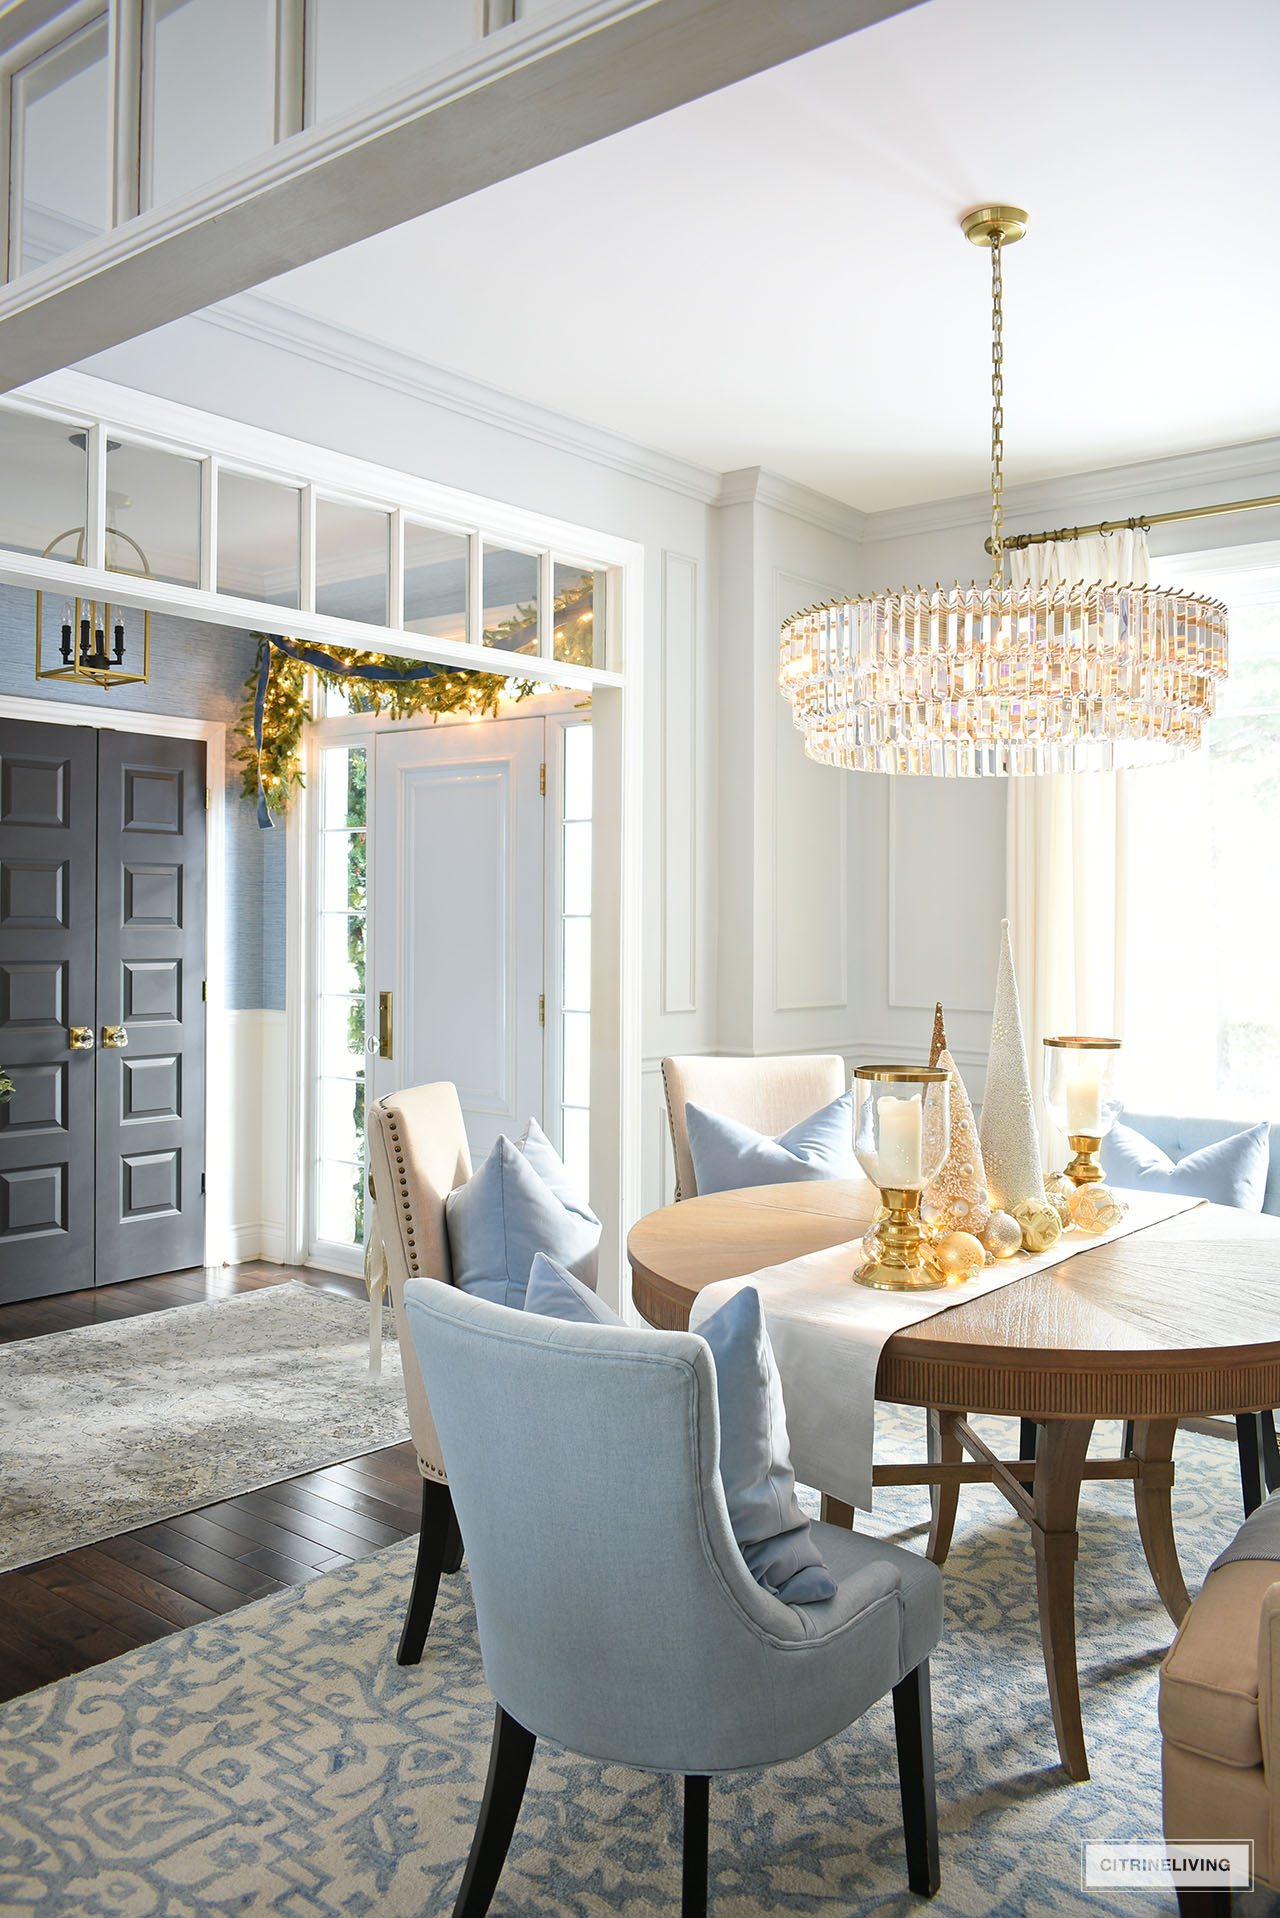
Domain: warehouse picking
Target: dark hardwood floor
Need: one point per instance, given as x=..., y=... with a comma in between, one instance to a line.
x=67, y=1613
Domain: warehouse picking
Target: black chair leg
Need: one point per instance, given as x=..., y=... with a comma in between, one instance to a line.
x=1203, y=1904
x=1028, y=1438
x=913, y=1730
x=1270, y=1447
x=1126, y=1439
x=439, y=1550
x=1251, y=1466
x=510, y=1757
x=693, y=1880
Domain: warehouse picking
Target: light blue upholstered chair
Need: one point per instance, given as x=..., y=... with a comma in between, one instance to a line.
x=1254, y=1432
x=616, y=1615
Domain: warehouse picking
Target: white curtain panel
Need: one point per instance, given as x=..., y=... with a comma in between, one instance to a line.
x=1065, y=855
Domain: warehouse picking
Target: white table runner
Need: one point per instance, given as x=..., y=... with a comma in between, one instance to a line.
x=828, y=1333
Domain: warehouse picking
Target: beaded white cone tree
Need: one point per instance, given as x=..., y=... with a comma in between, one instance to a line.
x=1010, y=1142
x=956, y=1201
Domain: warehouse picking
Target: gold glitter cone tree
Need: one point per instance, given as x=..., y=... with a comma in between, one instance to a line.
x=1010, y=1142
x=956, y=1201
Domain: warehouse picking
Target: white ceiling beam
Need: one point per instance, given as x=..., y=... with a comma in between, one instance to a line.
x=528, y=94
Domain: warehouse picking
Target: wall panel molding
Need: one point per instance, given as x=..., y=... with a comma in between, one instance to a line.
x=809, y=835
x=935, y=897
x=678, y=692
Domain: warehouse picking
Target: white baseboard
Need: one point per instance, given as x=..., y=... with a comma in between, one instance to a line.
x=256, y=1239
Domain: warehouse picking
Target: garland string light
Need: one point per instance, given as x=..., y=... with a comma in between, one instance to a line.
x=276, y=707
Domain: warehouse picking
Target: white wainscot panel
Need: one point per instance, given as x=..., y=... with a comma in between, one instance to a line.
x=679, y=693
x=255, y=1090
x=946, y=891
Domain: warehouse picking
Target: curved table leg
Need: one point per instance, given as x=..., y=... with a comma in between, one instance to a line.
x=944, y=1448
x=1152, y=1489
x=1060, y=1459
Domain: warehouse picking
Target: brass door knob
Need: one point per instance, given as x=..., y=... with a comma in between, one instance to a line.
x=115, y=1038
x=80, y=1038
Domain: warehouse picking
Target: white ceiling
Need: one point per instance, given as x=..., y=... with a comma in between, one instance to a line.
x=774, y=275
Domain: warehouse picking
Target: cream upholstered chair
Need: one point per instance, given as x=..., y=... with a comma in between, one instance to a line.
x=769, y=1094
x=1220, y=1721
x=417, y=1155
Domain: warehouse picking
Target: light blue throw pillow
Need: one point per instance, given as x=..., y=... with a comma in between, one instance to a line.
x=556, y=1294
x=553, y=1172
x=1230, y=1172
x=755, y=1456
x=727, y=1154
x=507, y=1212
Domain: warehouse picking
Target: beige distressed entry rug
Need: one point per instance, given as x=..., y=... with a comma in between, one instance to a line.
x=113, y=1426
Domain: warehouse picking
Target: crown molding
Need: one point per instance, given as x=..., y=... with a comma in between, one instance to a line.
x=1203, y=478
x=757, y=486
x=271, y=323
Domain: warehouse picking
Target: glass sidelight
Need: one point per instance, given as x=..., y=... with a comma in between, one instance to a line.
x=338, y=1026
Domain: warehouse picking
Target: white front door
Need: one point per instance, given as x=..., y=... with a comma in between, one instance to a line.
x=457, y=917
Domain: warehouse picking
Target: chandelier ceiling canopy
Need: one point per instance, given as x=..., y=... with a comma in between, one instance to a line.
x=967, y=680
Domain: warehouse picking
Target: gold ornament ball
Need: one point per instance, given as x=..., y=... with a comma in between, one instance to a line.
x=959, y=1256
x=1059, y=1190
x=1003, y=1236
x=1041, y=1227
x=1095, y=1207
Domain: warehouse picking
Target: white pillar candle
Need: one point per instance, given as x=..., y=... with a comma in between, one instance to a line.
x=900, y=1133
x=1084, y=1096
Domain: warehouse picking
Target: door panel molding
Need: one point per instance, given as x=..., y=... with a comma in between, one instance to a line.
x=221, y=1241
x=150, y=1202
x=48, y=931
x=459, y=831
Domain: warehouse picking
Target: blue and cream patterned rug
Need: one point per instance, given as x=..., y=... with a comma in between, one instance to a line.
x=114, y=1426
x=279, y=1762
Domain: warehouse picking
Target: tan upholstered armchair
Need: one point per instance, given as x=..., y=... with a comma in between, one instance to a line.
x=1220, y=1721
x=417, y=1155
x=770, y=1095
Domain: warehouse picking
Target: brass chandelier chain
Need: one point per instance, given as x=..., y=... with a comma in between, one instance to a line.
x=997, y=411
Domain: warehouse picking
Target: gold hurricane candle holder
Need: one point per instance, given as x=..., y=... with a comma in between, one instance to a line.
x=900, y=1137
x=1080, y=1097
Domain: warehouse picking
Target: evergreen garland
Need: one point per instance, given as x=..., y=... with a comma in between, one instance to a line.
x=286, y=710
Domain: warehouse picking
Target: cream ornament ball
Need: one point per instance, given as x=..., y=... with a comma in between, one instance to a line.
x=1059, y=1190
x=1003, y=1236
x=1095, y=1208
x=1039, y=1223
x=959, y=1257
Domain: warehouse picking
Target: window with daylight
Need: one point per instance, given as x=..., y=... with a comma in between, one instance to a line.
x=338, y=1024
x=1200, y=844
x=575, y=964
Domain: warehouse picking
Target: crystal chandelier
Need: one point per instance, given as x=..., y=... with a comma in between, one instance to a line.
x=964, y=680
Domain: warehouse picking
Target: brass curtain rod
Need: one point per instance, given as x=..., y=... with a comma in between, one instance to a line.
x=1018, y=541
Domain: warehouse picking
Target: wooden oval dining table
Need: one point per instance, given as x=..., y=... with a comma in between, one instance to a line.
x=1180, y=1320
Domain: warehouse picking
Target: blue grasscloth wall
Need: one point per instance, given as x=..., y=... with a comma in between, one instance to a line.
x=197, y=672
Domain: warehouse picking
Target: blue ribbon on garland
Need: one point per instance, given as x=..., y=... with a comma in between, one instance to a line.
x=323, y=662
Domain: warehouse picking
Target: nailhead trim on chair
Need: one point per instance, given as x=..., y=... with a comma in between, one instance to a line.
x=405, y=1207
x=666, y=1093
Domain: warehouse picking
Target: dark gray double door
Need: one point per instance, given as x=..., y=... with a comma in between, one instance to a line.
x=102, y=1014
